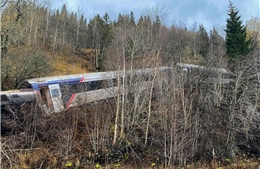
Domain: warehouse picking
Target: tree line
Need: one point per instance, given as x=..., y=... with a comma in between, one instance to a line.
x=29, y=28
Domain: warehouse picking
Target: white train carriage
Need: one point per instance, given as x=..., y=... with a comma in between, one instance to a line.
x=16, y=97
x=58, y=93
x=210, y=74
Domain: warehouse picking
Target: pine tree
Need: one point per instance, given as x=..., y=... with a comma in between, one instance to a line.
x=217, y=43
x=132, y=19
x=203, y=41
x=236, y=42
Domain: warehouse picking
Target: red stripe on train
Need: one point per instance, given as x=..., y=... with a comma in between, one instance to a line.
x=81, y=80
x=73, y=95
x=71, y=99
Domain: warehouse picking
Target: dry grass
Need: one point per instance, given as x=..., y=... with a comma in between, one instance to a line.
x=46, y=158
x=68, y=65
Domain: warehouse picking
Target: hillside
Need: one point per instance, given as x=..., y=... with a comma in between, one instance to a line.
x=183, y=121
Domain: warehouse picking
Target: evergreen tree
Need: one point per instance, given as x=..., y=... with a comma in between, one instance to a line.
x=236, y=42
x=217, y=43
x=203, y=41
x=215, y=39
x=140, y=21
x=132, y=19
x=156, y=26
x=107, y=32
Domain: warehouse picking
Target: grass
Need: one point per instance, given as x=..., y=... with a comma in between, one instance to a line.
x=46, y=158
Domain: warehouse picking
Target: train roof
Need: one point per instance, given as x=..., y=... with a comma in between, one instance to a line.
x=88, y=76
x=8, y=91
x=192, y=66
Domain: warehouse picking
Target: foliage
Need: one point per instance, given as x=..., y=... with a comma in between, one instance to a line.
x=203, y=42
x=22, y=63
x=253, y=32
x=236, y=42
x=100, y=36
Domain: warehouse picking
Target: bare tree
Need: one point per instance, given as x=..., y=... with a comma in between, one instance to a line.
x=29, y=64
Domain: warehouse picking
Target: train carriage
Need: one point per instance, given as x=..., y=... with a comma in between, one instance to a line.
x=58, y=93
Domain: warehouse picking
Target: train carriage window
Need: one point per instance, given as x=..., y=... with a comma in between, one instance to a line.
x=92, y=85
x=69, y=89
x=114, y=82
x=55, y=93
x=105, y=83
x=64, y=88
x=82, y=87
x=109, y=83
x=4, y=98
x=95, y=85
x=15, y=96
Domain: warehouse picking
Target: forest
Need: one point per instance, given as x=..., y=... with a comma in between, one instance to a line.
x=182, y=123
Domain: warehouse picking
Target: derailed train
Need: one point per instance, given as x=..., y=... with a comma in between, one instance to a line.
x=58, y=93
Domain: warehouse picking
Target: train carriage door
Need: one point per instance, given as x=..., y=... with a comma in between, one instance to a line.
x=56, y=97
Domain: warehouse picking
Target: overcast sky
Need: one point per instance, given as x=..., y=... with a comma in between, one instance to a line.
x=180, y=12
